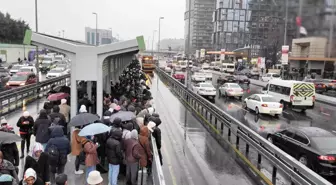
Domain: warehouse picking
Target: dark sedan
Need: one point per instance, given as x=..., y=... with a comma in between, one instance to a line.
x=226, y=79
x=241, y=78
x=312, y=146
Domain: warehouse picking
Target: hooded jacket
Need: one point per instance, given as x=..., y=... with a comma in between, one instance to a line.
x=133, y=149
x=62, y=122
x=113, y=148
x=60, y=141
x=11, y=153
x=91, y=156
x=25, y=128
x=65, y=110
x=144, y=142
x=41, y=165
x=31, y=173
x=76, y=143
x=8, y=168
x=40, y=128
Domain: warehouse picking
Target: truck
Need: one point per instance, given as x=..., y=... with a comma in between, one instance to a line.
x=148, y=65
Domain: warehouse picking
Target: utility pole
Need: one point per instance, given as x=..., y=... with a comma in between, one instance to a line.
x=37, y=63
x=153, y=42
x=286, y=22
x=63, y=33
x=331, y=32
x=159, y=36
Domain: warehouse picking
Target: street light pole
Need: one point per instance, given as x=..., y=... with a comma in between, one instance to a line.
x=96, y=27
x=331, y=32
x=286, y=22
x=63, y=33
x=37, y=63
x=153, y=42
x=159, y=36
x=111, y=35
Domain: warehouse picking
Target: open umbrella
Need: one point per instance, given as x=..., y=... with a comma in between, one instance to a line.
x=93, y=129
x=123, y=115
x=57, y=96
x=8, y=138
x=83, y=119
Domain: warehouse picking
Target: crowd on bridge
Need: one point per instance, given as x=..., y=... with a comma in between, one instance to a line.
x=117, y=143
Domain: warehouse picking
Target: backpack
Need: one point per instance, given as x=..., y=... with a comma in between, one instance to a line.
x=54, y=155
x=55, y=121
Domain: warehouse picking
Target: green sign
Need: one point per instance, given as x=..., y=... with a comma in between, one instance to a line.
x=141, y=43
x=27, y=38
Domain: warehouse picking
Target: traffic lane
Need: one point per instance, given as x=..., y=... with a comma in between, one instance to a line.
x=215, y=162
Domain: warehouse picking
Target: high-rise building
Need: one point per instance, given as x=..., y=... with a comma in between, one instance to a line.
x=201, y=26
x=103, y=36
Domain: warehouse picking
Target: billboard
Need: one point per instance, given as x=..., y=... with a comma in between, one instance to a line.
x=284, y=54
x=202, y=53
x=222, y=56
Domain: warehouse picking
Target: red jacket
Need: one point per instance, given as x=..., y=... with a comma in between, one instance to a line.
x=91, y=157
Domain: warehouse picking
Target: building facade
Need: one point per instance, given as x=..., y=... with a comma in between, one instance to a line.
x=103, y=36
x=201, y=26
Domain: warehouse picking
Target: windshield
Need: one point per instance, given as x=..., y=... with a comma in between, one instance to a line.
x=26, y=69
x=19, y=78
x=183, y=63
x=230, y=67
x=179, y=73
x=47, y=59
x=325, y=143
x=268, y=99
x=234, y=86
x=58, y=58
x=56, y=71
x=276, y=75
x=206, y=85
x=16, y=67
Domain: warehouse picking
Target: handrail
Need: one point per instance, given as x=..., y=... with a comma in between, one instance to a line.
x=296, y=172
x=158, y=177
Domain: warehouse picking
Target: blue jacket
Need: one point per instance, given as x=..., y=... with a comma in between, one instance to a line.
x=60, y=141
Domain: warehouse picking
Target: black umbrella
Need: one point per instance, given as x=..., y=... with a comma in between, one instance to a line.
x=83, y=119
x=8, y=138
x=123, y=115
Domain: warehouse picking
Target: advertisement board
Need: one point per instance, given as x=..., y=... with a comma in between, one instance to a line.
x=284, y=54
x=222, y=56
x=202, y=53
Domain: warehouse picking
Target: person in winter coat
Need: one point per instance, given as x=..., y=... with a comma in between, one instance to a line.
x=127, y=128
x=30, y=178
x=156, y=132
x=77, y=149
x=149, y=111
x=65, y=110
x=61, y=119
x=9, y=151
x=7, y=167
x=62, y=144
x=85, y=101
x=91, y=156
x=106, y=118
x=41, y=128
x=117, y=123
x=25, y=124
x=39, y=162
x=82, y=109
x=146, y=157
x=133, y=151
x=114, y=155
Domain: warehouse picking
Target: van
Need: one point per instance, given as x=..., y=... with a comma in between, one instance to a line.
x=270, y=76
x=294, y=94
x=227, y=68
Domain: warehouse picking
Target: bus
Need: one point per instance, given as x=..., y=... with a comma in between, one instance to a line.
x=148, y=65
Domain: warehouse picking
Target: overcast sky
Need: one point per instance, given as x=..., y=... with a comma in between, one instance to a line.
x=128, y=18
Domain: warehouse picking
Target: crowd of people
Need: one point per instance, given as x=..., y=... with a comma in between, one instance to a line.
x=121, y=152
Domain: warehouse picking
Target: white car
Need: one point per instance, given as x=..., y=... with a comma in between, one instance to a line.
x=263, y=104
x=231, y=89
x=270, y=76
x=56, y=72
x=198, y=77
x=168, y=69
x=178, y=67
x=205, y=89
x=31, y=69
x=15, y=69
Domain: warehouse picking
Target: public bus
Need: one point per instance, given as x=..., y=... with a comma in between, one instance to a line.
x=148, y=65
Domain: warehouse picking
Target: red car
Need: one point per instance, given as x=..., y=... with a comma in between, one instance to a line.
x=179, y=76
x=21, y=79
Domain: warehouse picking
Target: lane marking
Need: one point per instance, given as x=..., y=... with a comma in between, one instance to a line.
x=170, y=166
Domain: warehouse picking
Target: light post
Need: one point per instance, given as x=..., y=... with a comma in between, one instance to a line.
x=159, y=36
x=37, y=63
x=331, y=29
x=96, y=28
x=153, y=43
x=63, y=33
x=111, y=34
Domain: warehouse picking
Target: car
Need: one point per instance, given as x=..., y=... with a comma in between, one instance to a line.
x=195, y=69
x=226, y=79
x=320, y=86
x=179, y=76
x=312, y=146
x=241, y=78
x=178, y=67
x=15, y=69
x=28, y=69
x=56, y=72
x=231, y=90
x=263, y=104
x=270, y=76
x=198, y=77
x=204, y=89
x=168, y=69
x=253, y=74
x=331, y=84
x=21, y=79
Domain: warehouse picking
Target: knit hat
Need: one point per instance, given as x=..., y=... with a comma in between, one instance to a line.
x=26, y=114
x=82, y=109
x=29, y=173
x=94, y=178
x=63, y=101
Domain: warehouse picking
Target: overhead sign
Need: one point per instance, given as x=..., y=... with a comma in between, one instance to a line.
x=202, y=53
x=284, y=54
x=222, y=56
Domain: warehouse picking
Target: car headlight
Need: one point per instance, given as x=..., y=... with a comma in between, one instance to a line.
x=22, y=83
x=7, y=83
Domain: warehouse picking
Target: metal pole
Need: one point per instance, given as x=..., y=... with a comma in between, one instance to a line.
x=37, y=63
x=159, y=37
x=63, y=33
x=286, y=22
x=300, y=16
x=331, y=32
x=153, y=43
x=97, y=29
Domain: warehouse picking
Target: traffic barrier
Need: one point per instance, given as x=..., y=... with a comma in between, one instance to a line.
x=230, y=132
x=14, y=99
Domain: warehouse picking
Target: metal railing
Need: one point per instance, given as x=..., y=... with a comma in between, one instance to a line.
x=228, y=131
x=158, y=177
x=14, y=99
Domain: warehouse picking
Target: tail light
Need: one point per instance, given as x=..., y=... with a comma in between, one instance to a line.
x=314, y=98
x=326, y=158
x=281, y=106
x=264, y=105
x=262, y=128
x=292, y=98
x=333, y=81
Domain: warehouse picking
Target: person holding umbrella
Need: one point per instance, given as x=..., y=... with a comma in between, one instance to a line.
x=25, y=124
x=77, y=148
x=7, y=167
x=9, y=150
x=91, y=156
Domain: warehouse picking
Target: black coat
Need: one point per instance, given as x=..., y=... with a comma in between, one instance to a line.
x=41, y=130
x=11, y=153
x=41, y=166
x=38, y=181
x=86, y=102
x=61, y=122
x=113, y=148
x=61, y=142
x=157, y=135
x=25, y=128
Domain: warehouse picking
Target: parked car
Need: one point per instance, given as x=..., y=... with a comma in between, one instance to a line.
x=241, y=78
x=205, y=89
x=226, y=79
x=21, y=79
x=231, y=90
x=263, y=104
x=320, y=86
x=179, y=76
x=270, y=76
x=312, y=146
x=253, y=74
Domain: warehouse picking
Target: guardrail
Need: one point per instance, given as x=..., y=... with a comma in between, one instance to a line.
x=14, y=99
x=229, y=131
